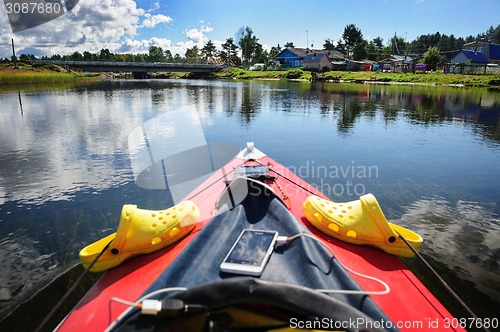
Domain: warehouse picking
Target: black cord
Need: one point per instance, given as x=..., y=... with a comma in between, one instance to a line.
x=84, y=273
x=213, y=183
x=293, y=182
x=70, y=290
x=286, y=178
x=441, y=280
x=422, y=259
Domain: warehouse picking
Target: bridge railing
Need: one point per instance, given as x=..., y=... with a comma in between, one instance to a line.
x=146, y=65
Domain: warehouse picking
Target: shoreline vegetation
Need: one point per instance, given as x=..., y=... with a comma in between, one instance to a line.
x=50, y=74
x=26, y=75
x=376, y=77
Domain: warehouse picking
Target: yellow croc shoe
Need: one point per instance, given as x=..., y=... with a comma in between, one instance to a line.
x=360, y=222
x=141, y=232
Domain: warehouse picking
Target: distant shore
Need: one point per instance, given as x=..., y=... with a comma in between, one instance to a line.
x=26, y=74
x=433, y=78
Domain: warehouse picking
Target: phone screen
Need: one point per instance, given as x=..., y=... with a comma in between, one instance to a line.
x=254, y=172
x=251, y=248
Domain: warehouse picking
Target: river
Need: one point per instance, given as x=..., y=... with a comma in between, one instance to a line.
x=432, y=155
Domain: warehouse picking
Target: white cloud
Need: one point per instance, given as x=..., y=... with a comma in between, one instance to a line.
x=264, y=46
x=90, y=26
x=94, y=24
x=197, y=36
x=142, y=46
x=152, y=20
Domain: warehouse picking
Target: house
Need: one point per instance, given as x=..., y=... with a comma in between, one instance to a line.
x=466, y=61
x=469, y=57
x=220, y=61
x=491, y=51
x=335, y=56
x=398, y=63
x=364, y=65
x=317, y=62
x=293, y=57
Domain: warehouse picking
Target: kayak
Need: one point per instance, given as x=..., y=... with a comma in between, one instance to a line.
x=331, y=265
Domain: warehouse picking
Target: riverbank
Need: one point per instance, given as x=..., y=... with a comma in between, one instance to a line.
x=50, y=74
x=26, y=74
x=434, y=78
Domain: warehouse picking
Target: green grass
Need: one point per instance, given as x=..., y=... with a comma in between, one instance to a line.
x=436, y=78
x=43, y=75
x=242, y=74
x=26, y=75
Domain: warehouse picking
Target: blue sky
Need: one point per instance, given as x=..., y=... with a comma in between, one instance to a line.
x=134, y=25
x=274, y=23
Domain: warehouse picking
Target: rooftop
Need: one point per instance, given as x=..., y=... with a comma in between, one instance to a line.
x=475, y=56
x=303, y=52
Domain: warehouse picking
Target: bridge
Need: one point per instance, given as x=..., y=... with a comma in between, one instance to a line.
x=138, y=69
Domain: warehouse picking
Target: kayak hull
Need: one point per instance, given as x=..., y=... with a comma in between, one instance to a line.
x=412, y=309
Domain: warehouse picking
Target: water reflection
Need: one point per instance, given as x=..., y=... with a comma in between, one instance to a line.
x=463, y=235
x=55, y=149
x=65, y=169
x=421, y=105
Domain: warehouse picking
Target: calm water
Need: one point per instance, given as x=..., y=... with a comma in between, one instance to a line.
x=430, y=155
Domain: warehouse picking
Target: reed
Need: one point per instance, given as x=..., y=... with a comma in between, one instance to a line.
x=23, y=76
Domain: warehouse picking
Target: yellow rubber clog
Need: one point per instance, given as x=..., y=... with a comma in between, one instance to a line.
x=360, y=222
x=141, y=232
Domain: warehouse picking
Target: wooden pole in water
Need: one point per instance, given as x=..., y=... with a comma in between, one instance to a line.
x=14, y=53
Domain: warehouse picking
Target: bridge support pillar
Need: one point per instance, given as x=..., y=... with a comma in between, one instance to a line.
x=141, y=75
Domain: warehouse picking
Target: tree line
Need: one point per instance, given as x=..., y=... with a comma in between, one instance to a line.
x=245, y=49
x=244, y=43
x=356, y=47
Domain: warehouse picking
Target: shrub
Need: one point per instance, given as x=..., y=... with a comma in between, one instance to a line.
x=494, y=82
x=293, y=73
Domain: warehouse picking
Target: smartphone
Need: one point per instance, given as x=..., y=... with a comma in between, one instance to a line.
x=260, y=172
x=250, y=253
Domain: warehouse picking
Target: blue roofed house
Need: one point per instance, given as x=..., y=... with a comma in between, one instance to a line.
x=468, y=61
x=469, y=57
x=291, y=57
x=491, y=51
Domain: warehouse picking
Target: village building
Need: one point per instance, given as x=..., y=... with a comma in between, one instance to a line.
x=317, y=62
x=466, y=61
x=293, y=57
x=469, y=57
x=397, y=64
x=491, y=51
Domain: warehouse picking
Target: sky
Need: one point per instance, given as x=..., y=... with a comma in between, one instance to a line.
x=124, y=26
